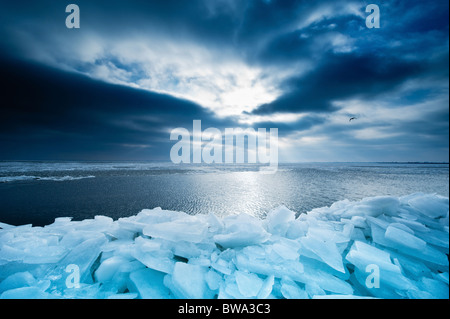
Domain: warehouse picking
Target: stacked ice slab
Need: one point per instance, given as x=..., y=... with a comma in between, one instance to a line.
x=383, y=247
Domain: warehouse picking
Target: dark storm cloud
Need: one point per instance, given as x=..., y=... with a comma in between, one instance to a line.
x=244, y=26
x=341, y=77
x=412, y=44
x=48, y=113
x=205, y=21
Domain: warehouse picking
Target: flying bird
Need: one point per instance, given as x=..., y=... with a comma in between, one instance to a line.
x=352, y=118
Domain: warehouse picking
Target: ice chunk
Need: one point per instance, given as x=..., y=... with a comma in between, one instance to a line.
x=36, y=251
x=149, y=253
x=119, y=280
x=430, y=205
x=373, y=206
x=118, y=233
x=223, y=262
x=427, y=253
x=341, y=297
x=190, y=250
x=266, y=288
x=297, y=228
x=98, y=224
x=326, y=281
x=85, y=291
x=415, y=226
x=17, y=280
x=131, y=224
x=413, y=267
x=313, y=289
x=431, y=255
x=436, y=288
x=361, y=255
x=290, y=290
x=229, y=289
x=25, y=293
x=6, y=226
x=190, y=229
x=327, y=235
x=403, y=239
x=381, y=205
x=255, y=259
x=366, y=258
x=124, y=296
x=311, y=263
x=158, y=216
x=442, y=276
x=83, y=257
x=213, y=279
x=189, y=281
x=241, y=230
x=403, y=227
x=278, y=220
x=286, y=249
x=249, y=284
x=9, y=254
x=428, y=288
x=324, y=251
x=435, y=237
x=359, y=221
x=149, y=284
x=109, y=268
x=214, y=223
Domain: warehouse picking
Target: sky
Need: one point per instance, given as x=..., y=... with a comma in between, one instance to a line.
x=114, y=88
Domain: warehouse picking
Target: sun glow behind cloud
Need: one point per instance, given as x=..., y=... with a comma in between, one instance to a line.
x=217, y=80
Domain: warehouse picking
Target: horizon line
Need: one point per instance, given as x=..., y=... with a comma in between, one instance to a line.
x=197, y=164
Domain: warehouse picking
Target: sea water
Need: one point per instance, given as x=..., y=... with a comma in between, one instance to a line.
x=38, y=192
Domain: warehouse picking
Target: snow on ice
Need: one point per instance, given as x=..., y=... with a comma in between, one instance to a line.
x=381, y=247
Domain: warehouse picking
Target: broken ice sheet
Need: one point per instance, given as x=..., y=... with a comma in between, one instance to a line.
x=165, y=254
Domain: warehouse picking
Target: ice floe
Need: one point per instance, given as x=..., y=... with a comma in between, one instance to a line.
x=9, y=179
x=379, y=247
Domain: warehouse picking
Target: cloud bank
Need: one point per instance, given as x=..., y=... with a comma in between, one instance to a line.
x=114, y=88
